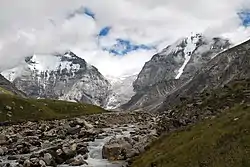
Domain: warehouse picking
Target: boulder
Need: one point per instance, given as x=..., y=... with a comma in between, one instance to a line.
x=27, y=163
x=3, y=139
x=78, y=161
x=48, y=159
x=2, y=151
x=42, y=163
x=74, y=130
x=117, y=149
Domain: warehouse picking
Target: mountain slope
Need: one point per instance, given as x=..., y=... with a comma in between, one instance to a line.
x=6, y=87
x=222, y=139
x=60, y=76
x=232, y=64
x=17, y=109
x=171, y=68
x=121, y=91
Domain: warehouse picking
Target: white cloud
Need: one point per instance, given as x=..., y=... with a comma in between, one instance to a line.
x=40, y=26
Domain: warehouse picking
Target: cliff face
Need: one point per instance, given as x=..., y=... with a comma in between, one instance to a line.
x=172, y=68
x=232, y=64
x=61, y=76
x=6, y=87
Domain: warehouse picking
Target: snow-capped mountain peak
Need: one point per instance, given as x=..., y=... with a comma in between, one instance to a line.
x=60, y=76
x=121, y=90
x=191, y=44
x=172, y=67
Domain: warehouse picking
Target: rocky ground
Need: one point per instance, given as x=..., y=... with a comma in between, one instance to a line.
x=97, y=140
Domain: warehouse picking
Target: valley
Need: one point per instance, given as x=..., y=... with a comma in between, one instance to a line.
x=187, y=107
x=78, y=141
x=124, y=83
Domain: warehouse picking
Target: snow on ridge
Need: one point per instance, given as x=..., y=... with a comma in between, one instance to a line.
x=12, y=74
x=189, y=49
x=43, y=63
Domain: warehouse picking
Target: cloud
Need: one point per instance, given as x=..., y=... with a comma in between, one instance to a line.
x=125, y=26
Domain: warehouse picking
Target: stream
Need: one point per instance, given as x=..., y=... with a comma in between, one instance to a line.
x=29, y=142
x=95, y=158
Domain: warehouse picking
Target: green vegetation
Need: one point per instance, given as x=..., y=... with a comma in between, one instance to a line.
x=4, y=91
x=221, y=142
x=17, y=109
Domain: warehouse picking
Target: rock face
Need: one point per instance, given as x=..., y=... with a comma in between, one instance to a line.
x=60, y=76
x=232, y=64
x=173, y=67
x=121, y=91
x=6, y=86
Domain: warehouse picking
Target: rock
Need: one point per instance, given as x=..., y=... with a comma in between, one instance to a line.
x=50, y=133
x=74, y=130
x=11, y=157
x=3, y=139
x=9, y=114
x=2, y=152
x=116, y=149
x=73, y=147
x=82, y=149
x=69, y=153
x=27, y=163
x=42, y=163
x=132, y=153
x=161, y=72
x=84, y=82
x=7, y=165
x=48, y=159
x=88, y=125
x=34, y=162
x=21, y=160
x=29, y=133
x=59, y=152
x=19, y=165
x=78, y=161
x=9, y=108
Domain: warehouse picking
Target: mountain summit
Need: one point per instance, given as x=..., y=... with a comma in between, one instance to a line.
x=60, y=76
x=171, y=68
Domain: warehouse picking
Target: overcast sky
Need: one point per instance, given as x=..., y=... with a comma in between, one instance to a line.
x=92, y=28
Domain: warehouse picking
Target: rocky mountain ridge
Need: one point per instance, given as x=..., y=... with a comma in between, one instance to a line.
x=170, y=69
x=60, y=76
x=6, y=87
x=121, y=91
x=229, y=65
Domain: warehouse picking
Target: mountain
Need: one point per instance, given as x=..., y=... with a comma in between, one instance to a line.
x=229, y=65
x=170, y=69
x=6, y=87
x=121, y=91
x=210, y=129
x=60, y=76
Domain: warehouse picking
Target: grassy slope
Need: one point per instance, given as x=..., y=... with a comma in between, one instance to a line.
x=32, y=109
x=223, y=141
x=4, y=91
x=220, y=142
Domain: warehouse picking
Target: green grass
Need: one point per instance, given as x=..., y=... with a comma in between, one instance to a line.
x=23, y=109
x=4, y=91
x=221, y=142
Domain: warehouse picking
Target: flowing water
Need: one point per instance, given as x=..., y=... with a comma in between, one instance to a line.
x=95, y=149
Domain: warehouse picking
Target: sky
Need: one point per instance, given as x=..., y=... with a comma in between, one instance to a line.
x=116, y=36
